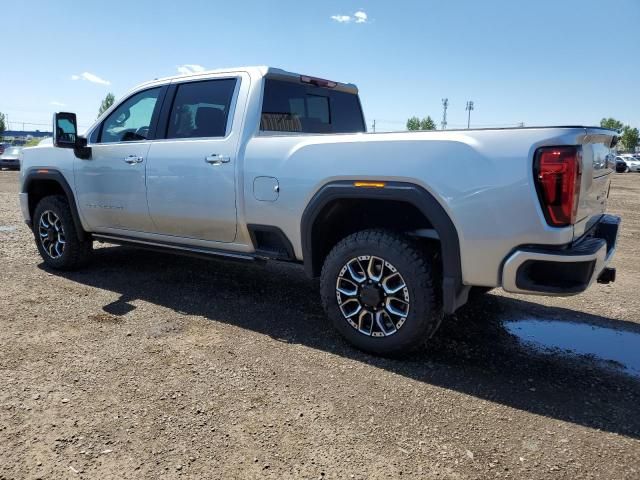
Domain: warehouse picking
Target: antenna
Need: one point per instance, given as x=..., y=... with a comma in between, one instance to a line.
x=468, y=108
x=445, y=105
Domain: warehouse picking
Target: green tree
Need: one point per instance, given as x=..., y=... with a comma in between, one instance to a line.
x=611, y=123
x=3, y=125
x=427, y=124
x=106, y=103
x=629, y=138
x=413, y=123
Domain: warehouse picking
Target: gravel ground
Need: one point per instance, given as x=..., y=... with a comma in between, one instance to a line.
x=146, y=366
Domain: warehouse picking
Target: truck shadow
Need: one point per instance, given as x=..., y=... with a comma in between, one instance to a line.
x=472, y=353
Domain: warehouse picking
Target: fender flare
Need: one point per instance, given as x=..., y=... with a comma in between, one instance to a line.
x=36, y=174
x=454, y=292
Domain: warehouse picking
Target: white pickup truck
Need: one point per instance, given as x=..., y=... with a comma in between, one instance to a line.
x=258, y=163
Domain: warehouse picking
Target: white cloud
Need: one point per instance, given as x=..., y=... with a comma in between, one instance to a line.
x=90, y=77
x=188, y=69
x=57, y=104
x=360, y=17
x=341, y=18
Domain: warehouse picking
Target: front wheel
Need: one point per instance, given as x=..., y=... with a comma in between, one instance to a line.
x=378, y=289
x=56, y=235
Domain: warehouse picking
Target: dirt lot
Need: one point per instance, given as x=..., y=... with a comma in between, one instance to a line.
x=146, y=366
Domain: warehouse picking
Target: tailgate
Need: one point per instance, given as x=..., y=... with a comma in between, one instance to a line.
x=598, y=164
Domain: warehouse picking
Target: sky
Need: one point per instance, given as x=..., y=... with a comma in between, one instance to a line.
x=540, y=62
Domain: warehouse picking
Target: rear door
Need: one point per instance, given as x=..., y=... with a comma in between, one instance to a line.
x=191, y=175
x=110, y=186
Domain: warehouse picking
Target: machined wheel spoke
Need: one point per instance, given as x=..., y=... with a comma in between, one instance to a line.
x=397, y=307
x=347, y=287
x=385, y=323
x=375, y=269
x=365, y=318
x=356, y=271
x=350, y=308
x=393, y=283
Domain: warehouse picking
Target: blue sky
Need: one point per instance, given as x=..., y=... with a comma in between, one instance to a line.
x=537, y=62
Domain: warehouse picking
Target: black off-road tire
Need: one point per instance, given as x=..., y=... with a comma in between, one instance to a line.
x=413, y=263
x=76, y=253
x=479, y=292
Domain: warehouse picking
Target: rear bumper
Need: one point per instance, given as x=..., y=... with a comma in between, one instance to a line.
x=563, y=271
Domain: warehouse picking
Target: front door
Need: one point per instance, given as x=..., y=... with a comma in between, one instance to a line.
x=191, y=189
x=110, y=186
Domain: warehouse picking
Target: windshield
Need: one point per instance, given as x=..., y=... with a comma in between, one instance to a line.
x=13, y=151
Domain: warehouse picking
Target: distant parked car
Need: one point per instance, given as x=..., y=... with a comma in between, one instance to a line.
x=632, y=162
x=621, y=165
x=10, y=158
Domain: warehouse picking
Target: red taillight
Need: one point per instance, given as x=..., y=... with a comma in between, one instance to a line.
x=557, y=174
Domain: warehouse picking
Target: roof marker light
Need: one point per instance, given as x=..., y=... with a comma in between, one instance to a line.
x=318, y=82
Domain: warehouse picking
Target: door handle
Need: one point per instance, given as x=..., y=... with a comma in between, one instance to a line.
x=215, y=159
x=133, y=159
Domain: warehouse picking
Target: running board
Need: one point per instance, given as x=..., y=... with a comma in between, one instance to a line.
x=177, y=249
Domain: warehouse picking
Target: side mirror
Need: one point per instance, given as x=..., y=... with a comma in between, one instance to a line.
x=65, y=130
x=65, y=135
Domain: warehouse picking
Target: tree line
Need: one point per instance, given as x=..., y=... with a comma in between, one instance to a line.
x=414, y=123
x=629, y=136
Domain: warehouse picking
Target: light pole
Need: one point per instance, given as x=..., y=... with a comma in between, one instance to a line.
x=468, y=108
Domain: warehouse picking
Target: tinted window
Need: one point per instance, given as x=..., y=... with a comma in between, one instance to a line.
x=131, y=119
x=294, y=107
x=201, y=109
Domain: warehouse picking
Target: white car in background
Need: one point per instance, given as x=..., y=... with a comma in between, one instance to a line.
x=632, y=161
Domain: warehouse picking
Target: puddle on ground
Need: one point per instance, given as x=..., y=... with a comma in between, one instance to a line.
x=7, y=228
x=603, y=343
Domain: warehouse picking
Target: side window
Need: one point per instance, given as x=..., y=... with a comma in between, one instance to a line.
x=131, y=120
x=201, y=109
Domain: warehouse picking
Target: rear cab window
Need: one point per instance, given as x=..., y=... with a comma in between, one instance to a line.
x=201, y=109
x=295, y=107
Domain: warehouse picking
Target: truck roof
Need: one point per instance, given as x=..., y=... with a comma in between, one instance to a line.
x=260, y=70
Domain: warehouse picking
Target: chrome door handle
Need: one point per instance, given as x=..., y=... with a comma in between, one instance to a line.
x=133, y=159
x=215, y=159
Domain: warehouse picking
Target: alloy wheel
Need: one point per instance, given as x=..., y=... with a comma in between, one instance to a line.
x=373, y=296
x=51, y=232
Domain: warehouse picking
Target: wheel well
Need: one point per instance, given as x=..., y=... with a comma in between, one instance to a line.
x=342, y=217
x=52, y=183
x=38, y=189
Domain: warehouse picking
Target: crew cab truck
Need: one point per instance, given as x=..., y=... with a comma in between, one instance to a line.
x=261, y=164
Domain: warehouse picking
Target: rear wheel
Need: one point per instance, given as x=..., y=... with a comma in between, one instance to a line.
x=377, y=287
x=56, y=235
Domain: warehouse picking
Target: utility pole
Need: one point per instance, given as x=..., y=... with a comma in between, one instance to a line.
x=445, y=105
x=468, y=108
x=374, y=126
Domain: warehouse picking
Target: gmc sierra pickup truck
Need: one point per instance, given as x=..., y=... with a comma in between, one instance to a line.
x=262, y=164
